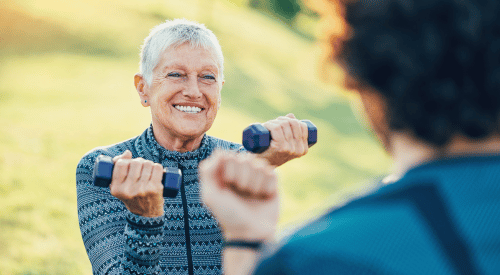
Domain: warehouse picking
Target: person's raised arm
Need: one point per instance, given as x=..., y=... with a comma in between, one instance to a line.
x=117, y=240
x=241, y=192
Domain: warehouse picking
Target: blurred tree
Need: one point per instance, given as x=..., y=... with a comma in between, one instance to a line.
x=283, y=9
x=287, y=9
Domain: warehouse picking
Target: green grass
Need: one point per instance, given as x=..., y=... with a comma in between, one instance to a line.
x=66, y=86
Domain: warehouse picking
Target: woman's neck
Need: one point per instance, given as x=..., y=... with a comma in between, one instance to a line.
x=175, y=143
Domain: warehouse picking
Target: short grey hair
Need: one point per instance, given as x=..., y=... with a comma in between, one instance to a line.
x=174, y=33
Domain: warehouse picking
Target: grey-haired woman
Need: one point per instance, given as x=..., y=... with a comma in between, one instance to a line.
x=130, y=228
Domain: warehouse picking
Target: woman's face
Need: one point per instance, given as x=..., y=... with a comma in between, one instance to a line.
x=184, y=94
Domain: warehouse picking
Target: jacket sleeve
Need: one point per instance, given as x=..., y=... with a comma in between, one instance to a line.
x=116, y=240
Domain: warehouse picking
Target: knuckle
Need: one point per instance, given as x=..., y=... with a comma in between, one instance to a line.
x=157, y=170
x=286, y=129
x=121, y=163
x=284, y=123
x=273, y=126
x=137, y=161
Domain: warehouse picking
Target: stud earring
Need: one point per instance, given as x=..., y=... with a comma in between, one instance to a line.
x=145, y=101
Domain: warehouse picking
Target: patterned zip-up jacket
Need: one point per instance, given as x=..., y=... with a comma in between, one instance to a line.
x=186, y=240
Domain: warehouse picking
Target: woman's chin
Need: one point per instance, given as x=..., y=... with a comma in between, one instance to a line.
x=185, y=129
x=191, y=132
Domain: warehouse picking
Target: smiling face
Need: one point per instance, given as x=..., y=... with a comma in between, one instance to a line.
x=184, y=94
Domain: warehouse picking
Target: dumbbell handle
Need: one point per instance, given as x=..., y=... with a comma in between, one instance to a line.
x=256, y=138
x=103, y=173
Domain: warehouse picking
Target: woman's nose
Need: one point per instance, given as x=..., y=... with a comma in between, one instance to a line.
x=192, y=88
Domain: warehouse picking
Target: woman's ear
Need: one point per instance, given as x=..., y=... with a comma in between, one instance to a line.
x=142, y=89
x=375, y=108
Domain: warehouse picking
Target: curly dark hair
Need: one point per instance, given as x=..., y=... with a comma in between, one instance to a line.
x=436, y=62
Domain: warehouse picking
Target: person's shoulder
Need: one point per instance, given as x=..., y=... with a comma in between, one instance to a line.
x=364, y=217
x=369, y=235
x=221, y=144
x=88, y=159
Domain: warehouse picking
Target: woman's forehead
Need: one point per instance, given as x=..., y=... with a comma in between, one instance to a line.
x=186, y=56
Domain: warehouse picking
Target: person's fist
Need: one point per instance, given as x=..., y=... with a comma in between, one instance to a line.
x=241, y=191
x=289, y=139
x=137, y=183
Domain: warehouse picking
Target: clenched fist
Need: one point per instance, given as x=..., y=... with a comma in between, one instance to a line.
x=241, y=191
x=137, y=183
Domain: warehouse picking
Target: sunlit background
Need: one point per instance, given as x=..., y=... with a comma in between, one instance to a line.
x=66, y=86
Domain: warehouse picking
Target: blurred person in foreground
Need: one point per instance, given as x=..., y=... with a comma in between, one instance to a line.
x=130, y=228
x=428, y=76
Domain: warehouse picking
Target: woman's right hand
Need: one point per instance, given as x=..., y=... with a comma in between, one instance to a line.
x=137, y=183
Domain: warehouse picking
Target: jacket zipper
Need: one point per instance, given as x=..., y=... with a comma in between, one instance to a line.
x=186, y=229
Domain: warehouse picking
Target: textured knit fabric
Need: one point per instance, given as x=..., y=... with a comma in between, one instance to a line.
x=388, y=233
x=186, y=240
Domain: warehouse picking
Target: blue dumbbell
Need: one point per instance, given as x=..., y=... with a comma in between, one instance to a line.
x=256, y=138
x=103, y=173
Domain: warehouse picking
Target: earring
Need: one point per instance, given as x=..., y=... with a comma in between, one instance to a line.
x=145, y=101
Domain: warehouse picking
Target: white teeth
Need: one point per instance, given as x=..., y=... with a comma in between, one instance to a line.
x=188, y=109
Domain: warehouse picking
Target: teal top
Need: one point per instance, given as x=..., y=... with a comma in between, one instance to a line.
x=442, y=217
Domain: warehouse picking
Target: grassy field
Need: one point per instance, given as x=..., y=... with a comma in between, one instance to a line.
x=66, y=86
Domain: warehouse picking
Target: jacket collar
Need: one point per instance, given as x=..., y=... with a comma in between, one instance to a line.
x=147, y=143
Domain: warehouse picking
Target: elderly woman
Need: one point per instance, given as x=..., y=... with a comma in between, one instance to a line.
x=428, y=75
x=130, y=228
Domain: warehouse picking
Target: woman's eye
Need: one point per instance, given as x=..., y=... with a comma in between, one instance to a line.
x=174, y=74
x=211, y=77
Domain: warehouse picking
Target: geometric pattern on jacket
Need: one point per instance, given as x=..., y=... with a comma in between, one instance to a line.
x=186, y=240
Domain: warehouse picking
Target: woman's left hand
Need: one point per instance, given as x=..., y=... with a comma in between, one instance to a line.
x=289, y=140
